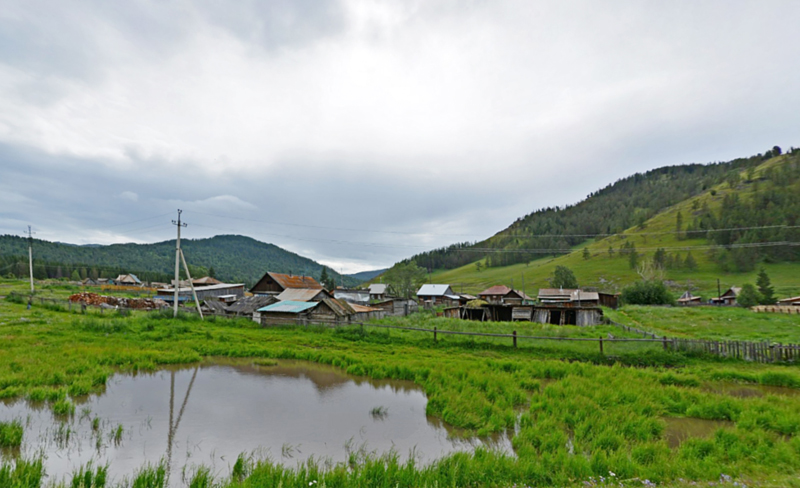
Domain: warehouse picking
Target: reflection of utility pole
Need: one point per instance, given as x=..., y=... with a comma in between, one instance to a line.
x=30, y=255
x=174, y=427
x=178, y=258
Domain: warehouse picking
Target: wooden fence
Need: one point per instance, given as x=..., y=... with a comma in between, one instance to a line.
x=762, y=352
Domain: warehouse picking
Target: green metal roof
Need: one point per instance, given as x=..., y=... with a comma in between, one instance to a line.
x=288, y=307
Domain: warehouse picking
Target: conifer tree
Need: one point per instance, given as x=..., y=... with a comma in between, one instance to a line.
x=690, y=263
x=765, y=288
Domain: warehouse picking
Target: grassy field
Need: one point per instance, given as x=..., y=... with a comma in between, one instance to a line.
x=716, y=323
x=579, y=415
x=611, y=273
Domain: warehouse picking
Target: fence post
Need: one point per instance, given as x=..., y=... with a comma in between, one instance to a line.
x=514, y=333
x=434, y=333
x=664, y=341
x=601, y=344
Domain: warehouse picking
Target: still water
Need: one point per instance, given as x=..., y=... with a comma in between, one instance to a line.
x=209, y=414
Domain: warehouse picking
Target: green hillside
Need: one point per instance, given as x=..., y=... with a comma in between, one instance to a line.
x=230, y=258
x=764, y=195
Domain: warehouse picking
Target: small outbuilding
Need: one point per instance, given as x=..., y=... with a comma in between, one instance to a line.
x=794, y=301
x=689, y=299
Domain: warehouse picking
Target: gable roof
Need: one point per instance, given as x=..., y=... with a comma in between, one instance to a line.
x=339, y=307
x=435, y=291
x=288, y=307
x=732, y=291
x=127, y=277
x=497, y=290
x=301, y=294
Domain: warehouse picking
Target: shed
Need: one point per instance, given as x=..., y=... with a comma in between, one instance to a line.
x=203, y=292
x=559, y=314
x=274, y=283
x=284, y=313
x=569, y=297
x=397, y=307
x=688, y=299
x=794, y=301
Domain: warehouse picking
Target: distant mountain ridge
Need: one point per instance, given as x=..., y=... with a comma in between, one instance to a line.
x=234, y=258
x=367, y=275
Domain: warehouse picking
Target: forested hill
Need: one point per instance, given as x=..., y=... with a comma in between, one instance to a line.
x=627, y=203
x=230, y=258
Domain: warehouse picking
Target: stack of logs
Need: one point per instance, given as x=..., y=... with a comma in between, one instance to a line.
x=103, y=300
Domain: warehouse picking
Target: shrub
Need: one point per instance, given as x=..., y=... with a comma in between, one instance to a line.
x=749, y=296
x=647, y=292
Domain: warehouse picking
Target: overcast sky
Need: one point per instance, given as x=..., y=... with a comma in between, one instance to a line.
x=360, y=132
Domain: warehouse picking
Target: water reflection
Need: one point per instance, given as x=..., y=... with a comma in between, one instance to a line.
x=209, y=413
x=681, y=428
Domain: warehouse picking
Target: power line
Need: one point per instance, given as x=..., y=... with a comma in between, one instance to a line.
x=622, y=250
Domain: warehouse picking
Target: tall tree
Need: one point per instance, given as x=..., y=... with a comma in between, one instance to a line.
x=690, y=263
x=405, y=278
x=586, y=253
x=679, y=226
x=563, y=277
x=765, y=288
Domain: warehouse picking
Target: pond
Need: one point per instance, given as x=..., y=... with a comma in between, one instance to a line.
x=210, y=413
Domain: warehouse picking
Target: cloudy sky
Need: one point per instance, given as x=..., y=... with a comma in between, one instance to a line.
x=360, y=132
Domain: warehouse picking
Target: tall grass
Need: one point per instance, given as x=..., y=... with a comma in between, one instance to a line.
x=11, y=433
x=577, y=414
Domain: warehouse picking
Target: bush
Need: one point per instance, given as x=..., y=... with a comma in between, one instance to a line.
x=749, y=296
x=11, y=433
x=648, y=292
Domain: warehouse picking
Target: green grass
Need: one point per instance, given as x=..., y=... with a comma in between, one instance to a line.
x=578, y=414
x=714, y=323
x=613, y=273
x=11, y=433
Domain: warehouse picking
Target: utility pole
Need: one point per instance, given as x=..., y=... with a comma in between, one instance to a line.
x=176, y=285
x=30, y=255
x=719, y=293
x=179, y=257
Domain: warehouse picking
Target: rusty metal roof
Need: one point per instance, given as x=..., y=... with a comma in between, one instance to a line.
x=295, y=281
x=500, y=290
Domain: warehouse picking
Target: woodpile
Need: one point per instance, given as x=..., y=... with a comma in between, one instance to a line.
x=102, y=300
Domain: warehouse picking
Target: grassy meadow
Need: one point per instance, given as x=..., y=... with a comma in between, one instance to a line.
x=612, y=272
x=575, y=415
x=714, y=323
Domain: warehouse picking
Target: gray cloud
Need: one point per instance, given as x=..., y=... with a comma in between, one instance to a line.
x=360, y=132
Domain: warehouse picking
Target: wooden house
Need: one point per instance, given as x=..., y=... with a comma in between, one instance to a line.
x=433, y=295
x=274, y=283
x=127, y=280
x=563, y=306
x=727, y=298
x=503, y=295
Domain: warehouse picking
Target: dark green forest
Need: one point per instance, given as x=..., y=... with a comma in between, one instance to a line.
x=229, y=258
x=630, y=202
